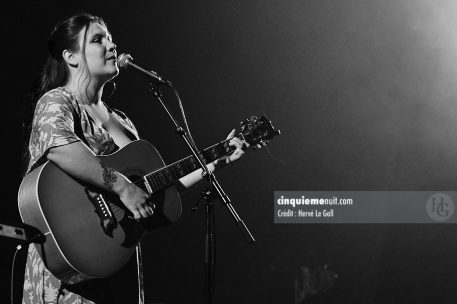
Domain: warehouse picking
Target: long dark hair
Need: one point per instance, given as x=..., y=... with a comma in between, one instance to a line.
x=55, y=72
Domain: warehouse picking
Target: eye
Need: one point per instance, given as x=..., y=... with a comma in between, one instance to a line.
x=97, y=38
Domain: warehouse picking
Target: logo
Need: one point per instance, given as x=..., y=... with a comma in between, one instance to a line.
x=440, y=207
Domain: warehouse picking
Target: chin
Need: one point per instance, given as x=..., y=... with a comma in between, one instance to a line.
x=115, y=73
x=112, y=75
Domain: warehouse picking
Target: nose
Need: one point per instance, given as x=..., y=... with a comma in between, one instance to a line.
x=112, y=47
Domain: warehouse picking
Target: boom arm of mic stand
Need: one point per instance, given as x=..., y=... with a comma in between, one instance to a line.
x=206, y=173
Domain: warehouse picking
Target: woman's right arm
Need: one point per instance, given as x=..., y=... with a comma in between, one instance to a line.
x=79, y=161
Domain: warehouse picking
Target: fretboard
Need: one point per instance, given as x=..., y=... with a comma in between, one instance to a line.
x=166, y=176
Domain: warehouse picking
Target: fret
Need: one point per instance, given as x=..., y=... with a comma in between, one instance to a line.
x=174, y=172
x=170, y=177
x=153, y=182
x=155, y=178
x=164, y=176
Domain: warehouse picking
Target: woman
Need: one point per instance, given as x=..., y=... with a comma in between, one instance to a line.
x=71, y=125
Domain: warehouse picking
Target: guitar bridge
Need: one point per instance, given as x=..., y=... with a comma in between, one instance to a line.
x=107, y=220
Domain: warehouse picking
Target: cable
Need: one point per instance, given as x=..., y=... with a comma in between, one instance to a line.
x=18, y=247
x=38, y=238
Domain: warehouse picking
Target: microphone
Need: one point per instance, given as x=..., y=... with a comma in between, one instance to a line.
x=126, y=61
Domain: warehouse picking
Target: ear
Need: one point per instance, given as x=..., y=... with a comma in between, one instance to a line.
x=71, y=58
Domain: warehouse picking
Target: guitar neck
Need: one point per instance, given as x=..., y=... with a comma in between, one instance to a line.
x=166, y=176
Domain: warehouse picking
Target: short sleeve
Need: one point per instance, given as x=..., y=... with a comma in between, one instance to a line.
x=53, y=126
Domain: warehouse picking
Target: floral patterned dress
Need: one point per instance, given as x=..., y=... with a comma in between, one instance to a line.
x=60, y=119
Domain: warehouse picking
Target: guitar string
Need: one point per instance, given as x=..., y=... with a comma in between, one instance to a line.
x=160, y=178
x=164, y=176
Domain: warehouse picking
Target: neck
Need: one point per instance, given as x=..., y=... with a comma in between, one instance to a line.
x=87, y=93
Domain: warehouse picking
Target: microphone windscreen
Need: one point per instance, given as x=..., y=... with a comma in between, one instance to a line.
x=123, y=59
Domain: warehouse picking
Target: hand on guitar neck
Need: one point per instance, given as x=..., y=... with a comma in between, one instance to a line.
x=240, y=148
x=255, y=133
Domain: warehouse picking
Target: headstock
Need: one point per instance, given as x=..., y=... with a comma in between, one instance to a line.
x=258, y=131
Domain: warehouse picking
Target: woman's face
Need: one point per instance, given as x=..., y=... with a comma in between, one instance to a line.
x=100, y=52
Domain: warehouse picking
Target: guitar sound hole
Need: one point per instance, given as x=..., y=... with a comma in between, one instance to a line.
x=139, y=181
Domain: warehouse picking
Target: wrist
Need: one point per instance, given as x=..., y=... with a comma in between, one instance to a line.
x=121, y=184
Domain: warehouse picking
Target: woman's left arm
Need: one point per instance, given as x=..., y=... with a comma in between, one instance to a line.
x=240, y=147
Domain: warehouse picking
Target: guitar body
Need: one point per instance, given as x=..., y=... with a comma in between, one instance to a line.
x=78, y=244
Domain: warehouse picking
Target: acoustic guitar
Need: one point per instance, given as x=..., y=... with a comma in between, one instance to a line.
x=89, y=233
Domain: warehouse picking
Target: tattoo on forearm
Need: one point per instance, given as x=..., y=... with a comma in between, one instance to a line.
x=109, y=178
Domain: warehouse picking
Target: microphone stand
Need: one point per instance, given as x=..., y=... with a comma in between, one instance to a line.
x=209, y=207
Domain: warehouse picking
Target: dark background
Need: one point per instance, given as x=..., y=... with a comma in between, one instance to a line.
x=363, y=92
